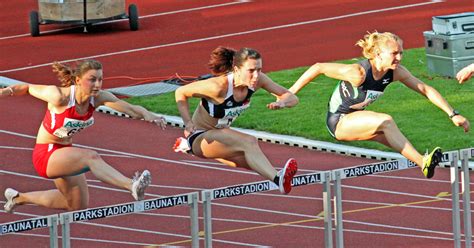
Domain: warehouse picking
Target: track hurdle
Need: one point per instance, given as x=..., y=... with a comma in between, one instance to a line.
x=50, y=221
x=356, y=171
x=191, y=199
x=465, y=155
x=449, y=159
x=244, y=189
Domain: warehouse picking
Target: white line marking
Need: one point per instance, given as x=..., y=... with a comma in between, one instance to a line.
x=264, y=223
x=142, y=156
x=228, y=205
x=122, y=20
x=227, y=35
x=31, y=149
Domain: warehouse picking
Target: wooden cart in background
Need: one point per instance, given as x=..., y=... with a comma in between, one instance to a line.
x=81, y=12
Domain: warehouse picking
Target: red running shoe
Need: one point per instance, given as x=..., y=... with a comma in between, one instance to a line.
x=286, y=175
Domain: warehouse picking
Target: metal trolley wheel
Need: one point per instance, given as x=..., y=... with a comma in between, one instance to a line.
x=133, y=17
x=34, y=23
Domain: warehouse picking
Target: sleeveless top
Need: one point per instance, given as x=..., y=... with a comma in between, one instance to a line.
x=230, y=109
x=347, y=98
x=69, y=122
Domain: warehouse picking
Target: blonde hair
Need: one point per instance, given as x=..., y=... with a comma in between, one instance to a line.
x=67, y=74
x=372, y=42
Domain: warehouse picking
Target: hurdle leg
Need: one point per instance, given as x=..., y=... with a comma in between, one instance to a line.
x=327, y=210
x=466, y=197
x=65, y=228
x=338, y=210
x=455, y=201
x=53, y=231
x=193, y=205
x=206, y=200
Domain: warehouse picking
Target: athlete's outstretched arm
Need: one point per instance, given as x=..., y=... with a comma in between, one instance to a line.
x=285, y=99
x=465, y=73
x=353, y=73
x=208, y=89
x=48, y=93
x=135, y=111
x=403, y=75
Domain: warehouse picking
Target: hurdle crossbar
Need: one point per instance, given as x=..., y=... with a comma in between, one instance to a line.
x=50, y=221
x=244, y=189
x=449, y=159
x=132, y=207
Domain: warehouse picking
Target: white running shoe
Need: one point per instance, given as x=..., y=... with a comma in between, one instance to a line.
x=10, y=195
x=139, y=184
x=286, y=175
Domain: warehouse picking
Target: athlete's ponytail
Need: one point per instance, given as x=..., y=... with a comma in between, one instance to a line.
x=67, y=75
x=223, y=59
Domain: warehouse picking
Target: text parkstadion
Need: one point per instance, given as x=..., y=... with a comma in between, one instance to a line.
x=372, y=169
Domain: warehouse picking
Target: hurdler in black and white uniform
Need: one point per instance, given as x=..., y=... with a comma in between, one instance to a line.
x=346, y=98
x=209, y=115
x=226, y=112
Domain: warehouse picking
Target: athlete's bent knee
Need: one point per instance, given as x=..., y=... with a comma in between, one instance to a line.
x=91, y=155
x=386, y=121
x=249, y=141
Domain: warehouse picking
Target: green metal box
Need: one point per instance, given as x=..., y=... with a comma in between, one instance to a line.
x=454, y=46
x=454, y=24
x=446, y=66
x=447, y=54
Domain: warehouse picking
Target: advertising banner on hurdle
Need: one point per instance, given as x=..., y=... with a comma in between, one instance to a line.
x=50, y=222
x=127, y=208
x=26, y=225
x=245, y=189
x=376, y=168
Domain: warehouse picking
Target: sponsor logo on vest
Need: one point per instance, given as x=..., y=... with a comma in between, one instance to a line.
x=98, y=213
x=345, y=90
x=71, y=123
x=242, y=190
x=371, y=169
x=72, y=126
x=370, y=97
x=373, y=95
x=26, y=225
x=165, y=202
x=236, y=111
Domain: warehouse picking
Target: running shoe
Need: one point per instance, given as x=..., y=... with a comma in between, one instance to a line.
x=139, y=184
x=181, y=145
x=286, y=175
x=10, y=195
x=430, y=161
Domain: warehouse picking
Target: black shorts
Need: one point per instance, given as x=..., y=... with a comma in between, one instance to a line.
x=331, y=122
x=193, y=137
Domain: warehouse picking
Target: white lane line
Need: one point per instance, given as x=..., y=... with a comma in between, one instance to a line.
x=140, y=17
x=228, y=35
x=345, y=230
x=31, y=149
x=230, y=205
x=142, y=156
x=265, y=223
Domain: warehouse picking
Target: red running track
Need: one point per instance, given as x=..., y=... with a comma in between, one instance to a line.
x=274, y=220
